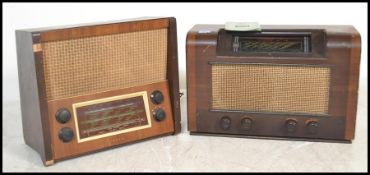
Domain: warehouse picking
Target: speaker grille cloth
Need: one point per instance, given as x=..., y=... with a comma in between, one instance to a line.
x=270, y=88
x=102, y=63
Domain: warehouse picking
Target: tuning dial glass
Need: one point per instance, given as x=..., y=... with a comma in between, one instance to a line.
x=66, y=134
x=157, y=97
x=63, y=115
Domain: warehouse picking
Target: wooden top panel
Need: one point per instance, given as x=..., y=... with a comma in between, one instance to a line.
x=58, y=33
x=329, y=28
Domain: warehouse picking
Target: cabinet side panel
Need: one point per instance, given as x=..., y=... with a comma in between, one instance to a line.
x=354, y=73
x=34, y=126
x=173, y=73
x=191, y=80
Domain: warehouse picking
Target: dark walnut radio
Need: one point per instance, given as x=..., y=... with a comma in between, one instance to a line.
x=283, y=82
x=89, y=87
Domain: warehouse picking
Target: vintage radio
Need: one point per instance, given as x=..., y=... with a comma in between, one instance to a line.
x=89, y=87
x=296, y=82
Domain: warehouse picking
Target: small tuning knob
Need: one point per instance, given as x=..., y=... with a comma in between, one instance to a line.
x=246, y=124
x=225, y=123
x=66, y=134
x=159, y=114
x=312, y=127
x=63, y=115
x=291, y=125
x=157, y=97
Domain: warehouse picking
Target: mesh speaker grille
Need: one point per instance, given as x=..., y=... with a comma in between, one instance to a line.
x=102, y=63
x=270, y=88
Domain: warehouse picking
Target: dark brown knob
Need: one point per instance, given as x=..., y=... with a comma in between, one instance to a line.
x=159, y=115
x=157, y=97
x=291, y=125
x=246, y=124
x=63, y=115
x=225, y=123
x=312, y=127
x=66, y=134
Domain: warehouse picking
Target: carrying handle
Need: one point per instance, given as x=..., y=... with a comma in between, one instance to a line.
x=242, y=26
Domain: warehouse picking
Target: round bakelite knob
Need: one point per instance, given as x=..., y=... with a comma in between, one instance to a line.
x=246, y=124
x=291, y=125
x=312, y=127
x=63, y=115
x=157, y=97
x=66, y=134
x=225, y=123
x=159, y=115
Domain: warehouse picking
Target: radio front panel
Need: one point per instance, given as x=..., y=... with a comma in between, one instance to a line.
x=110, y=118
x=88, y=87
x=301, y=92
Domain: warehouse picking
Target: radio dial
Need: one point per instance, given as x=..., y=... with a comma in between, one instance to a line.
x=291, y=125
x=246, y=124
x=312, y=127
x=63, y=115
x=159, y=115
x=157, y=97
x=66, y=134
x=225, y=123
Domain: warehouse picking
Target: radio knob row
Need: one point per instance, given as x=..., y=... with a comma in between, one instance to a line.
x=246, y=123
x=290, y=125
x=63, y=116
x=157, y=98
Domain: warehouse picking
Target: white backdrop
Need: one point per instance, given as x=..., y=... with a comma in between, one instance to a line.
x=19, y=15
x=184, y=152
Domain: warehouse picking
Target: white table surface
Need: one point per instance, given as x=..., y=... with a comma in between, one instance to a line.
x=185, y=152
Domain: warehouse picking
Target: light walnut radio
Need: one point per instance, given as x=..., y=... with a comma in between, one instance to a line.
x=291, y=82
x=89, y=87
